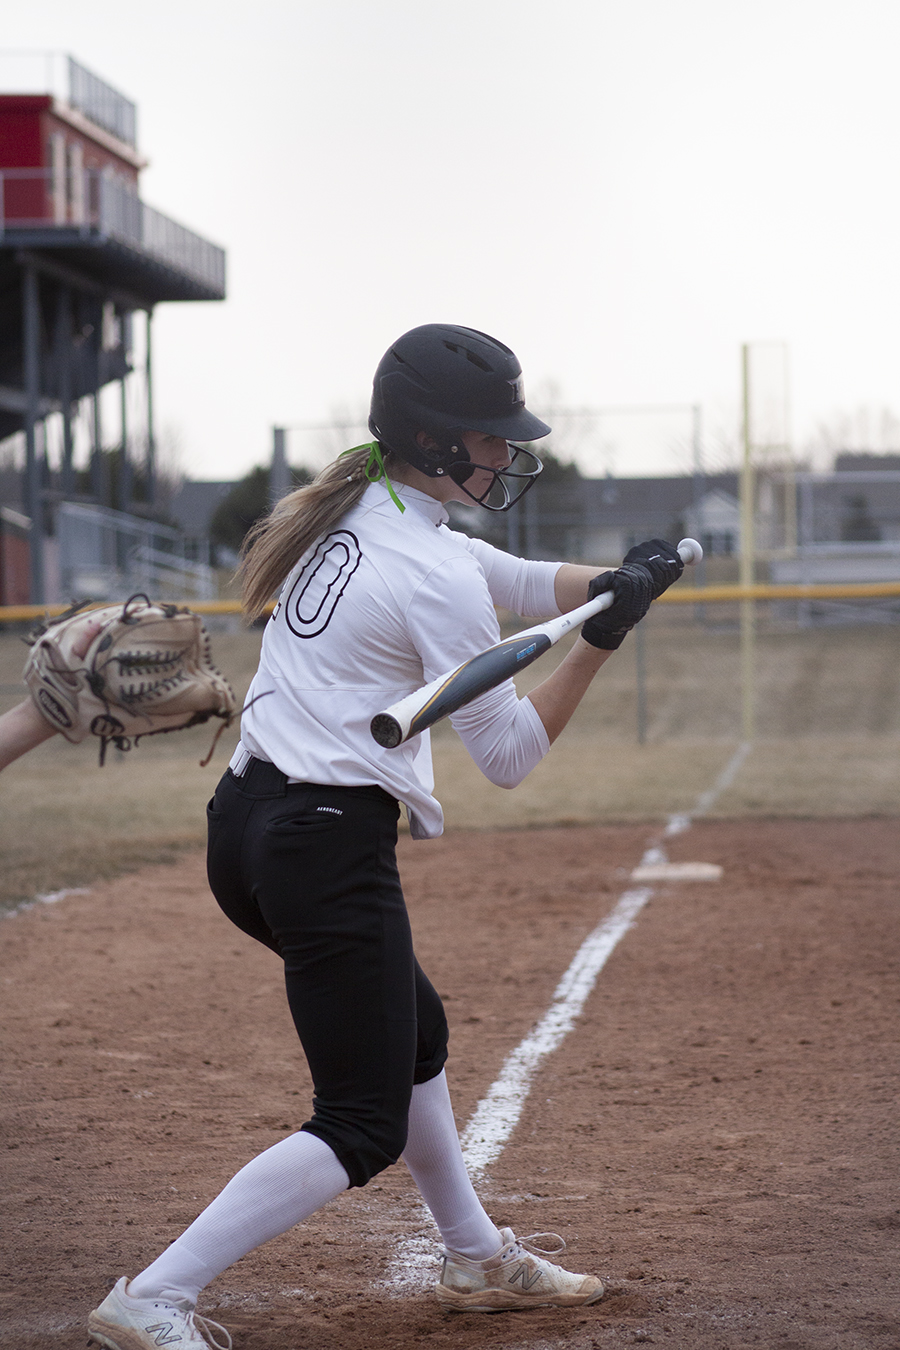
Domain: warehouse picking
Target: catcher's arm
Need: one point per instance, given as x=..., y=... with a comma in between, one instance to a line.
x=23, y=727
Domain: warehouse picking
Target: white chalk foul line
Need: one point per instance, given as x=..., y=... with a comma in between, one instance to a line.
x=679, y=823
x=499, y=1111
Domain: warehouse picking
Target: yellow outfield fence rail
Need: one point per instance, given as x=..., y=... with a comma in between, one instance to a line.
x=680, y=595
x=851, y=590
x=22, y=613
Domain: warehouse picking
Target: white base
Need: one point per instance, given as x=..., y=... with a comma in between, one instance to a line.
x=677, y=871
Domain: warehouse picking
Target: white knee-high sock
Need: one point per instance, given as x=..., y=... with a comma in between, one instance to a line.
x=434, y=1157
x=278, y=1189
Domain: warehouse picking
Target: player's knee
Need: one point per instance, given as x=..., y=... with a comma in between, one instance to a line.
x=431, y=1053
x=432, y=1034
x=366, y=1142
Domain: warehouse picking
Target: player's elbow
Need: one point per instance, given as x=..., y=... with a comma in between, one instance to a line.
x=505, y=775
x=506, y=740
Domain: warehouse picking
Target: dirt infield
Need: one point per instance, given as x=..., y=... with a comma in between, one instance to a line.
x=717, y=1137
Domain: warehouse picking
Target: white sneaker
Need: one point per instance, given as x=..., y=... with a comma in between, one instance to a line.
x=125, y=1323
x=518, y=1276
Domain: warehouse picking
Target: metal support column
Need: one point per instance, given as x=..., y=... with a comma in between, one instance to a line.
x=62, y=343
x=98, y=477
x=512, y=531
x=31, y=335
x=279, y=477
x=699, y=493
x=530, y=505
x=640, y=674
x=791, y=511
x=747, y=564
x=124, y=483
x=151, y=434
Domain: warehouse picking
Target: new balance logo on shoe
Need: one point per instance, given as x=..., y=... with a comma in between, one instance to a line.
x=521, y=1274
x=164, y=1333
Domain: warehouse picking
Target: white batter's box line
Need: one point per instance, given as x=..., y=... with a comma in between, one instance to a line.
x=49, y=898
x=497, y=1114
x=414, y=1265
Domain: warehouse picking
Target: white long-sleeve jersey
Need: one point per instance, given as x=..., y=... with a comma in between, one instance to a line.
x=381, y=605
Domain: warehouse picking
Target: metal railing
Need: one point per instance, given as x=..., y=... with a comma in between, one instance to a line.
x=102, y=104
x=96, y=202
x=63, y=78
x=164, y=238
x=105, y=554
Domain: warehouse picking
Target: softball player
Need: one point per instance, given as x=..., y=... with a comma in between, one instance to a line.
x=378, y=596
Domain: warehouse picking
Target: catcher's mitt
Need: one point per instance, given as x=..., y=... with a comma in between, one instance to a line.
x=145, y=668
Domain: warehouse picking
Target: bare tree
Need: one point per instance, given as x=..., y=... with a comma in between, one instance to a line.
x=312, y=447
x=866, y=428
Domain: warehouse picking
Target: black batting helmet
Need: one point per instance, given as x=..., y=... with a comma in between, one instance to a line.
x=443, y=379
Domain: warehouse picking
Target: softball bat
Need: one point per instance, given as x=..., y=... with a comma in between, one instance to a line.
x=445, y=695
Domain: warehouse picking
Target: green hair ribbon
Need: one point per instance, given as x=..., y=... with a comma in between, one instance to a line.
x=375, y=470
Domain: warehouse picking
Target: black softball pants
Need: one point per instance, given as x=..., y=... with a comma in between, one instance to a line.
x=311, y=871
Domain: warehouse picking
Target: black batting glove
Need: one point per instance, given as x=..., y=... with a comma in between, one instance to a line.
x=632, y=585
x=661, y=560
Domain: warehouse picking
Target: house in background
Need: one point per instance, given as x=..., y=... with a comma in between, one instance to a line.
x=858, y=503
x=848, y=530
x=192, y=509
x=598, y=519
x=715, y=521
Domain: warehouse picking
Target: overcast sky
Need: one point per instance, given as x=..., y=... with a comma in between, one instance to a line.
x=624, y=191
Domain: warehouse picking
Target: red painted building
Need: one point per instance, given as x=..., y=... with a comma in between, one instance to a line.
x=70, y=153
x=15, y=565
x=80, y=256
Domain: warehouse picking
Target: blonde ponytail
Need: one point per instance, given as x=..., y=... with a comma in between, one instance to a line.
x=274, y=544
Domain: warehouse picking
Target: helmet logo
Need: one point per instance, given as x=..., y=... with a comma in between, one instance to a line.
x=518, y=388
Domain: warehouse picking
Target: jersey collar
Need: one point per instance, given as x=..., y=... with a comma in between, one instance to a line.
x=413, y=498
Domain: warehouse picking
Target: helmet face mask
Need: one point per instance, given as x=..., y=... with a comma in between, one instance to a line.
x=439, y=381
x=507, y=485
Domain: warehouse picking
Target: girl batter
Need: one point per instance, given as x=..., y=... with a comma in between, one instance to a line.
x=378, y=596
